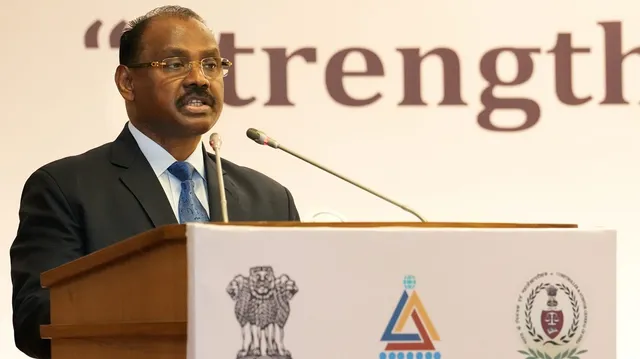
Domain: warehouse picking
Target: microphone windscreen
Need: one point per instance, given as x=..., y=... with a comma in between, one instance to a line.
x=215, y=140
x=253, y=134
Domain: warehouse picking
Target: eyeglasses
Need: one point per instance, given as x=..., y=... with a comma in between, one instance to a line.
x=211, y=67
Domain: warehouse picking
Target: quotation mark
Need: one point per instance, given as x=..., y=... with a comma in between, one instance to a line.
x=91, y=35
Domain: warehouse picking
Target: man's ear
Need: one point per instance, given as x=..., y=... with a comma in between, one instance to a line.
x=124, y=82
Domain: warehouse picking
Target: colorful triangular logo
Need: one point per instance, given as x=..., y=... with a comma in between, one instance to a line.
x=410, y=307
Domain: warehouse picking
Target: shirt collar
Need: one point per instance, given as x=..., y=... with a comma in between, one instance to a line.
x=159, y=158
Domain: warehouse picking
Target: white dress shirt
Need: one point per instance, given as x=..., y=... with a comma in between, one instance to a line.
x=160, y=160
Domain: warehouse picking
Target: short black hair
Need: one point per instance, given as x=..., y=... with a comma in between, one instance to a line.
x=131, y=38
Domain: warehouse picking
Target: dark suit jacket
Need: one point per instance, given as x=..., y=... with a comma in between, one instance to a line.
x=77, y=205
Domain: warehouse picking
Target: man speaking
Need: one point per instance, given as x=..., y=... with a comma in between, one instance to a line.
x=156, y=172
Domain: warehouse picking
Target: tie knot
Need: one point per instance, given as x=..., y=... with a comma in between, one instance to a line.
x=182, y=170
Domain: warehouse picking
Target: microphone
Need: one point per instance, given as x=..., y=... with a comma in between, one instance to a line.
x=216, y=142
x=261, y=138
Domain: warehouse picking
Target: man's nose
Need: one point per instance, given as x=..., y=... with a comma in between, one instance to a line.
x=196, y=76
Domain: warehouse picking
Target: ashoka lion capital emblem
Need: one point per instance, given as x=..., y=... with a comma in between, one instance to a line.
x=551, y=325
x=262, y=310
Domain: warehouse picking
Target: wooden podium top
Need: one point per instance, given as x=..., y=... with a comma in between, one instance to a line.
x=177, y=233
x=402, y=224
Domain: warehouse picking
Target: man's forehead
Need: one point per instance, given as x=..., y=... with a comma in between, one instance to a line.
x=179, y=37
x=171, y=51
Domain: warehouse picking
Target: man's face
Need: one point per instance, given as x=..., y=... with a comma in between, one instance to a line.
x=170, y=102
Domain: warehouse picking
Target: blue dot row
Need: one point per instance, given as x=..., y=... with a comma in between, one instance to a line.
x=410, y=355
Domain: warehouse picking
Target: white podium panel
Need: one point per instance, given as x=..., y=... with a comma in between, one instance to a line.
x=401, y=293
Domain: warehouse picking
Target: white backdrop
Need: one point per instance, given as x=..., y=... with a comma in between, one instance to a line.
x=576, y=164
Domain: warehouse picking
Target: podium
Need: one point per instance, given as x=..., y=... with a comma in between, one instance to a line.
x=130, y=300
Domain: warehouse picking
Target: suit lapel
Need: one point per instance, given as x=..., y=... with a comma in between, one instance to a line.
x=139, y=178
x=213, y=189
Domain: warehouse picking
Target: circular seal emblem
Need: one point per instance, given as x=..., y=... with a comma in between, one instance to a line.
x=551, y=317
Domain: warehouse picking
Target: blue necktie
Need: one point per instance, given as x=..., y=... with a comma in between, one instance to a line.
x=189, y=207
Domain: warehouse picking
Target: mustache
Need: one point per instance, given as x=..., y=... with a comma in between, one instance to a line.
x=196, y=93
